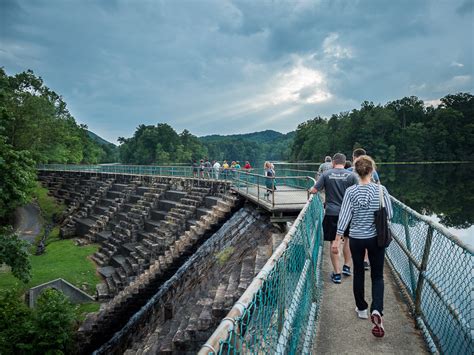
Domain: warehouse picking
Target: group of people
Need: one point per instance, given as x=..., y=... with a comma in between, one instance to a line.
x=353, y=194
x=207, y=169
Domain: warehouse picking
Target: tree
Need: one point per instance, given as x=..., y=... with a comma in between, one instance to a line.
x=54, y=320
x=17, y=177
x=14, y=253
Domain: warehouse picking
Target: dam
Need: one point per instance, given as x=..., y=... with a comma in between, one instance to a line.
x=202, y=265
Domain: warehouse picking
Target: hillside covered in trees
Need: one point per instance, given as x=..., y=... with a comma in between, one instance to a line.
x=401, y=130
x=36, y=127
x=257, y=146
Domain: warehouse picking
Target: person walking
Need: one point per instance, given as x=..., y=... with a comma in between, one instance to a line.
x=216, y=167
x=269, y=179
x=358, y=207
x=335, y=182
x=325, y=166
x=356, y=154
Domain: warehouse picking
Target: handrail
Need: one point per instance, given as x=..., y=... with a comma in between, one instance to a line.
x=439, y=227
x=228, y=324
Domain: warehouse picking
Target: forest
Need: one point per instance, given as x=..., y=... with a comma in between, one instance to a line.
x=36, y=127
x=404, y=130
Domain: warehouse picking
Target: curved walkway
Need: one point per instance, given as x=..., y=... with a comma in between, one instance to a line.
x=342, y=332
x=28, y=222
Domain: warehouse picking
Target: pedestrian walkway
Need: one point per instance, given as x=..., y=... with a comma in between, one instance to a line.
x=342, y=332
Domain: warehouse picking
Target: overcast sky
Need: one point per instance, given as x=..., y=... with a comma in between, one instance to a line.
x=236, y=66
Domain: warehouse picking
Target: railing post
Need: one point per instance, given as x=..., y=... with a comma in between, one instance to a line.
x=273, y=192
x=247, y=182
x=258, y=189
x=408, y=243
x=421, y=277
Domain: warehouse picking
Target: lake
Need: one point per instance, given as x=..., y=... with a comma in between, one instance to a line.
x=442, y=192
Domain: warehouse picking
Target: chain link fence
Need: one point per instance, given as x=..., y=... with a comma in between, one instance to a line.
x=435, y=269
x=278, y=312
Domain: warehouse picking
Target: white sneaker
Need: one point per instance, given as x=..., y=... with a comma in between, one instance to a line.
x=364, y=314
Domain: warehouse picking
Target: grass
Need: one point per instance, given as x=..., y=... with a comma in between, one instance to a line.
x=47, y=204
x=62, y=259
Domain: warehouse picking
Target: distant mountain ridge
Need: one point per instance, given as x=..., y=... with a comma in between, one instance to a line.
x=258, y=137
x=99, y=139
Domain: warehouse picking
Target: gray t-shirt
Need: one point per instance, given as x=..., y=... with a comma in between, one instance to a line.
x=335, y=182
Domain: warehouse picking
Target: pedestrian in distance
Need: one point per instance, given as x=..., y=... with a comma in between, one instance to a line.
x=269, y=179
x=335, y=182
x=358, y=207
x=216, y=167
x=325, y=166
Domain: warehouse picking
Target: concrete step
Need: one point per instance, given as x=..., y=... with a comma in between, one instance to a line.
x=174, y=195
x=158, y=215
x=166, y=205
x=151, y=225
x=114, y=194
x=119, y=187
x=210, y=201
x=202, y=211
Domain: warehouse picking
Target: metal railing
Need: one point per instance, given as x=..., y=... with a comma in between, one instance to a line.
x=273, y=191
x=435, y=269
x=289, y=188
x=278, y=311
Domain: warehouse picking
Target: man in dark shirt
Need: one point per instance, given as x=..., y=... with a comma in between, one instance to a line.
x=335, y=181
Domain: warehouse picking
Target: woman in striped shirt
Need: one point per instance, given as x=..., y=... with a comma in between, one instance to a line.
x=358, y=207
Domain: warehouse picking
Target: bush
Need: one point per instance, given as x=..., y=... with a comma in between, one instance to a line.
x=48, y=329
x=54, y=320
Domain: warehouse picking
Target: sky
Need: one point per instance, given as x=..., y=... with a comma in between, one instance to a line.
x=225, y=67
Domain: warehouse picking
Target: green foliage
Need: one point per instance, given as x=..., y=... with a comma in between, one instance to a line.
x=46, y=329
x=254, y=147
x=17, y=326
x=17, y=177
x=402, y=130
x=160, y=144
x=36, y=119
x=224, y=255
x=14, y=253
x=48, y=205
x=54, y=319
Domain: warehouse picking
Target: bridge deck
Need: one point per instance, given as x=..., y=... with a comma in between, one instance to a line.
x=286, y=199
x=342, y=332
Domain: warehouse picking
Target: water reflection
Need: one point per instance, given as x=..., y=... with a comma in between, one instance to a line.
x=443, y=190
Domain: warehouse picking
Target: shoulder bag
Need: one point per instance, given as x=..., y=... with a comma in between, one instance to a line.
x=384, y=236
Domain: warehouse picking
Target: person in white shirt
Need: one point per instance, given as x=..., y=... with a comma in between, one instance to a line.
x=216, y=167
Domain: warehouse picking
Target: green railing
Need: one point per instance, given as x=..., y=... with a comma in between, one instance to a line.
x=278, y=311
x=273, y=191
x=435, y=269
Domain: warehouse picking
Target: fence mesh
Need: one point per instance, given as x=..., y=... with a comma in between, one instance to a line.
x=437, y=270
x=281, y=315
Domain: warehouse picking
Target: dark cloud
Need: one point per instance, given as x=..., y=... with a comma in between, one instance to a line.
x=236, y=66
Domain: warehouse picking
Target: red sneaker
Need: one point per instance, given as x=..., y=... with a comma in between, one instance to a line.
x=378, y=329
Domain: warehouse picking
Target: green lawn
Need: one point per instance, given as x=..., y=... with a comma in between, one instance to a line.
x=62, y=259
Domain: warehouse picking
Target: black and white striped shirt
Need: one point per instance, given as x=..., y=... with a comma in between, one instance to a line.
x=358, y=207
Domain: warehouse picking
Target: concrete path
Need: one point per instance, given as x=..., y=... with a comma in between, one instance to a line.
x=28, y=222
x=342, y=332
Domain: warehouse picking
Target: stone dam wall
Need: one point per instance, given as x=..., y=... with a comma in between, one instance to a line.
x=175, y=254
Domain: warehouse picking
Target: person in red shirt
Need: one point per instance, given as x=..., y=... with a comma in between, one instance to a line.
x=247, y=165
